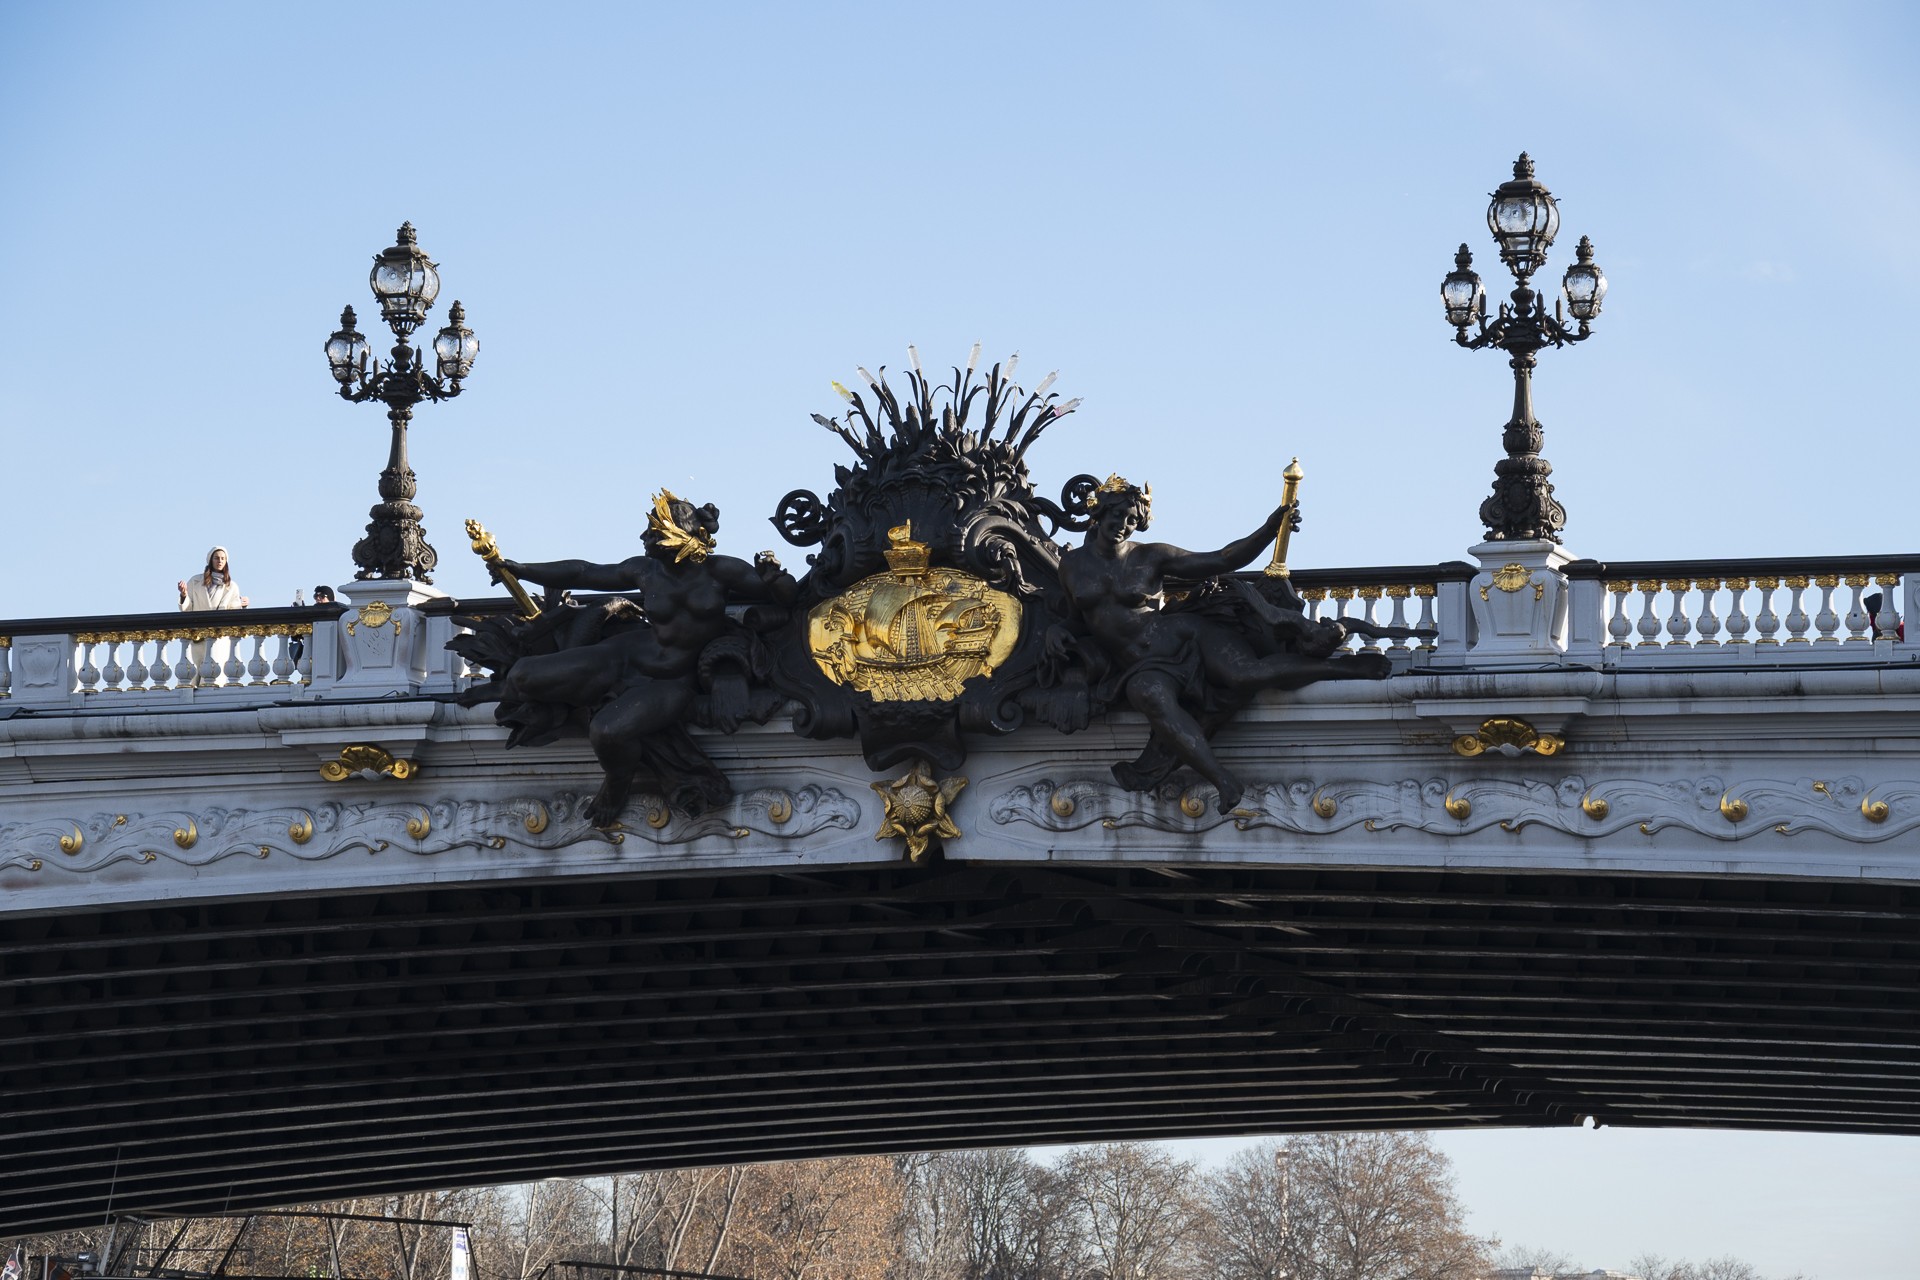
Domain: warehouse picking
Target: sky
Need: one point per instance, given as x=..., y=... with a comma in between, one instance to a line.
x=1224, y=225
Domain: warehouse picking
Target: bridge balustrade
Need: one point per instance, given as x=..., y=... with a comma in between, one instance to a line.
x=1644, y=613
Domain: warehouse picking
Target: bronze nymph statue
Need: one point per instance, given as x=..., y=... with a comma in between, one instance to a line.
x=638, y=676
x=1179, y=643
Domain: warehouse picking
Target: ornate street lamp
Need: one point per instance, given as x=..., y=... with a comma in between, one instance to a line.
x=406, y=282
x=1524, y=220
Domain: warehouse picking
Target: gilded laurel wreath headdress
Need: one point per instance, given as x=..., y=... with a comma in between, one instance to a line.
x=695, y=544
x=1119, y=484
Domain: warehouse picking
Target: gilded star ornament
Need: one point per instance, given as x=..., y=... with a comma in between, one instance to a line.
x=917, y=809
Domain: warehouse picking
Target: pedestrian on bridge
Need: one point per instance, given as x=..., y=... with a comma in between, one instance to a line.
x=212, y=588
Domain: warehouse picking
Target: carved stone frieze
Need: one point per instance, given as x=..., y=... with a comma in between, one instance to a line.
x=1714, y=807
x=313, y=833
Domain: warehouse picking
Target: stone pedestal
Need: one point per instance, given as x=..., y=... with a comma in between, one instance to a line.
x=382, y=645
x=1519, y=603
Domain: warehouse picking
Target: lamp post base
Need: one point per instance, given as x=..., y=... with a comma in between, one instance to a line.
x=1519, y=602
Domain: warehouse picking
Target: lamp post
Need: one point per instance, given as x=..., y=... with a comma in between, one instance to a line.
x=1524, y=220
x=406, y=282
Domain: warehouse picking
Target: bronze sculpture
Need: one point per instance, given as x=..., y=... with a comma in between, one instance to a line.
x=1186, y=661
x=937, y=605
x=639, y=674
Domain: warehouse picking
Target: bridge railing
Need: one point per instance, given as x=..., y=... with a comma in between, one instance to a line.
x=1802, y=608
x=1836, y=610
x=225, y=656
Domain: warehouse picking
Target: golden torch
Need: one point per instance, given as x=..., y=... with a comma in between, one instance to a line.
x=488, y=550
x=1277, y=568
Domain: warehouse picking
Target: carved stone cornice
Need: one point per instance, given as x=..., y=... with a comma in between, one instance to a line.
x=1710, y=806
x=313, y=833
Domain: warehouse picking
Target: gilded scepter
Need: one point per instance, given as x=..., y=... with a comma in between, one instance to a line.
x=1277, y=567
x=488, y=550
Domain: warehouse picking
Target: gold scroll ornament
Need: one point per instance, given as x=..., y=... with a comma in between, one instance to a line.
x=916, y=633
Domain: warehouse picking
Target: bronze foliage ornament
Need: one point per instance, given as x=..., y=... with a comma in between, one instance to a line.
x=937, y=607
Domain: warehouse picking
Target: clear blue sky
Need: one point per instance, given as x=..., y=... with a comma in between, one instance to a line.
x=1224, y=224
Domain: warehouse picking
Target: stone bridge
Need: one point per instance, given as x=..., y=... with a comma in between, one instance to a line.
x=1625, y=845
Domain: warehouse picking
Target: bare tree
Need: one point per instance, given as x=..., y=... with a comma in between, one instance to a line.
x=1138, y=1207
x=1376, y=1204
x=1651, y=1266
x=816, y=1220
x=1247, y=1237
x=1523, y=1257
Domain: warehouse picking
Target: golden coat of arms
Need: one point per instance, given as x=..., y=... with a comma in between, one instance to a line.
x=916, y=633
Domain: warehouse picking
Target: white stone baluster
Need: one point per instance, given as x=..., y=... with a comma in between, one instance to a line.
x=1826, y=622
x=1886, y=623
x=1797, y=619
x=6, y=666
x=1648, y=626
x=232, y=668
x=1738, y=624
x=1425, y=593
x=137, y=665
x=113, y=673
x=1619, y=625
x=1365, y=611
x=1678, y=624
x=1766, y=622
x=88, y=674
x=283, y=656
x=305, y=663
x=1706, y=624
x=1338, y=597
x=1859, y=622
x=186, y=670
x=257, y=668
x=1399, y=595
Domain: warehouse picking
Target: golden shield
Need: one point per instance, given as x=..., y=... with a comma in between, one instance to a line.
x=915, y=633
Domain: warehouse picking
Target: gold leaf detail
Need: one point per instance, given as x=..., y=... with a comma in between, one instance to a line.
x=1325, y=805
x=1062, y=804
x=1732, y=807
x=1873, y=810
x=917, y=810
x=73, y=843
x=1192, y=805
x=419, y=825
x=1594, y=807
x=373, y=614
x=301, y=830
x=1457, y=806
x=536, y=820
x=780, y=809
x=186, y=836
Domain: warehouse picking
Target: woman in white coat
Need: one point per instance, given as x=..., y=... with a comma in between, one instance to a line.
x=212, y=588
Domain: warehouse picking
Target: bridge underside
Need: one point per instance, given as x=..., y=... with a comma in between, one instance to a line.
x=243, y=1054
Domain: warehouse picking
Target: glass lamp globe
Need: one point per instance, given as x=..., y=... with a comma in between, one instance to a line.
x=1460, y=292
x=405, y=281
x=455, y=347
x=1524, y=220
x=346, y=350
x=1584, y=283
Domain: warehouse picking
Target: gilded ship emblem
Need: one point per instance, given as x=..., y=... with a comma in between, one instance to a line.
x=915, y=633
